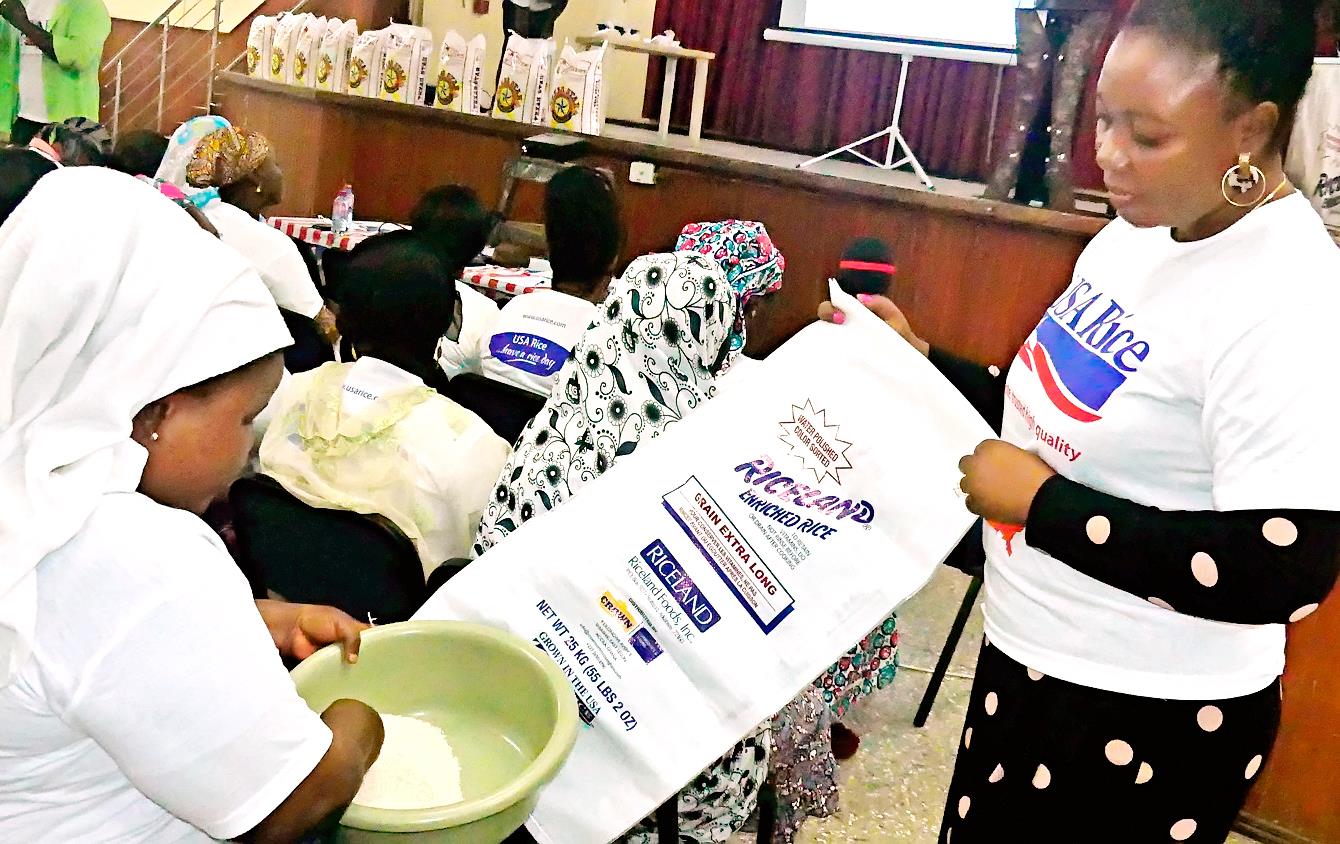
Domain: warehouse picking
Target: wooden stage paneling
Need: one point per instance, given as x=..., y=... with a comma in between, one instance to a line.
x=974, y=277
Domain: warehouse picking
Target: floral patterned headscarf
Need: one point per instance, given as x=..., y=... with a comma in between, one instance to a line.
x=651, y=357
x=226, y=157
x=753, y=264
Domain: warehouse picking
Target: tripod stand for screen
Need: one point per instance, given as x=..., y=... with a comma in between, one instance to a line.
x=897, y=141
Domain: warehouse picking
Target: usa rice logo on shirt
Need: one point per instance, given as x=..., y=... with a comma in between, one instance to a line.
x=1083, y=352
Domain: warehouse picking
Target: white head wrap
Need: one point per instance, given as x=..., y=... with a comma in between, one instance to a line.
x=145, y=304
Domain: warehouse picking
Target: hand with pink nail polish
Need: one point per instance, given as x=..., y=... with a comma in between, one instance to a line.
x=883, y=308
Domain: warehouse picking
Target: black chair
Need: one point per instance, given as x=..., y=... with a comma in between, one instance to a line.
x=506, y=409
x=968, y=557
x=360, y=564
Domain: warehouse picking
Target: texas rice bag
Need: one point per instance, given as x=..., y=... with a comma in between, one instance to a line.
x=281, y=48
x=404, y=68
x=306, y=51
x=332, y=62
x=365, y=62
x=576, y=101
x=525, y=72
x=259, y=39
x=460, y=73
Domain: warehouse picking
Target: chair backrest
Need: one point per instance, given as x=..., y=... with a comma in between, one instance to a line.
x=360, y=564
x=505, y=408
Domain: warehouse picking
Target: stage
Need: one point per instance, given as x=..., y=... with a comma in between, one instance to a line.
x=974, y=273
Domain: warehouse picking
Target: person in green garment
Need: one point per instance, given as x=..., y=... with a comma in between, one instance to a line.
x=49, y=56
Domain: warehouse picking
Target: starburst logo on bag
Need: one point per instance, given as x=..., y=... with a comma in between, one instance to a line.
x=253, y=60
x=358, y=74
x=299, y=65
x=448, y=88
x=277, y=61
x=509, y=96
x=564, y=105
x=394, y=77
x=324, y=66
x=815, y=442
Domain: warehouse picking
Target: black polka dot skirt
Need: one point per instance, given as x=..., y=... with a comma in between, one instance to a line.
x=1043, y=760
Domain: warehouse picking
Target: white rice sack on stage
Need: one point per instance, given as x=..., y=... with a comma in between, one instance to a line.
x=307, y=51
x=576, y=95
x=404, y=67
x=694, y=589
x=259, y=38
x=281, y=48
x=524, y=70
x=365, y=63
x=460, y=73
x=332, y=63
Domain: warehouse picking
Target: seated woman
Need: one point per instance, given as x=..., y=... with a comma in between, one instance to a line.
x=370, y=436
x=141, y=694
x=867, y=267
x=634, y=374
x=77, y=142
x=241, y=166
x=20, y=170
x=581, y=219
x=753, y=264
x=453, y=222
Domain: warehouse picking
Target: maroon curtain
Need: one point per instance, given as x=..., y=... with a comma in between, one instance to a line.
x=813, y=99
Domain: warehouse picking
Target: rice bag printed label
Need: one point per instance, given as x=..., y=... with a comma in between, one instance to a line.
x=528, y=353
x=741, y=567
x=523, y=85
x=582, y=663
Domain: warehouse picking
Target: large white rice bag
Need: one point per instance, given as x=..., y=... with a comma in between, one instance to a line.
x=332, y=63
x=259, y=38
x=306, y=51
x=576, y=99
x=365, y=61
x=460, y=73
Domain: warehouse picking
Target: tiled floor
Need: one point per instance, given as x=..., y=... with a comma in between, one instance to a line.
x=893, y=790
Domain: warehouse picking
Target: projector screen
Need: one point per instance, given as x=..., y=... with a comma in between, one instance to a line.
x=950, y=28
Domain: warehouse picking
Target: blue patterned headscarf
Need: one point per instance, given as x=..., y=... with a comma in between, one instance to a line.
x=752, y=262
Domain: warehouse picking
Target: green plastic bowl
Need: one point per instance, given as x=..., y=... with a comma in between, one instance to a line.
x=507, y=710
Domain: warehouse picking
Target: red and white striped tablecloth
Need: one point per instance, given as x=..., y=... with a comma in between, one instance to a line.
x=513, y=282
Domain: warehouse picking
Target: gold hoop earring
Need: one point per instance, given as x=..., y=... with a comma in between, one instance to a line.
x=1243, y=177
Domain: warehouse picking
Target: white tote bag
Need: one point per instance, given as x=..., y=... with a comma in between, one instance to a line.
x=692, y=591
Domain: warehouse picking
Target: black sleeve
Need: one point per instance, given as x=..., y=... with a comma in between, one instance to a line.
x=982, y=386
x=1243, y=567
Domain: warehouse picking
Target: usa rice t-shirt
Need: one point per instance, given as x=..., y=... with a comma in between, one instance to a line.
x=1182, y=376
x=533, y=337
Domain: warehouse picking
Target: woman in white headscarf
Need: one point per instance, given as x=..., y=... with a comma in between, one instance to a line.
x=141, y=695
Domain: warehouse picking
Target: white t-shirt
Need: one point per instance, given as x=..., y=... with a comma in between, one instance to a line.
x=32, y=90
x=155, y=706
x=479, y=314
x=533, y=338
x=272, y=254
x=1182, y=376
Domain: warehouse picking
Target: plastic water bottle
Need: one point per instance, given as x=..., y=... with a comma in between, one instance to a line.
x=342, y=217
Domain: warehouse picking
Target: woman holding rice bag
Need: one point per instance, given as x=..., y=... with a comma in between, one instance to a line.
x=1159, y=506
